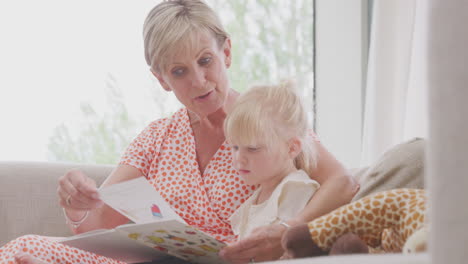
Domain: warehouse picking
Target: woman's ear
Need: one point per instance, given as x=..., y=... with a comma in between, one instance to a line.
x=227, y=52
x=161, y=80
x=295, y=147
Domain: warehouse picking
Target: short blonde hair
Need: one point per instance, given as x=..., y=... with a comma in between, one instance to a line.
x=272, y=114
x=174, y=26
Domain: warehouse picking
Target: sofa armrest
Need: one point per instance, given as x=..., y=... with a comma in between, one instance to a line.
x=28, y=197
x=419, y=258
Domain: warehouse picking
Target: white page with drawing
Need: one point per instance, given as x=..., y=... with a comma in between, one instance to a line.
x=139, y=201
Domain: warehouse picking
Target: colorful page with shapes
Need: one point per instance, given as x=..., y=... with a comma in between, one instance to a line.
x=139, y=201
x=177, y=239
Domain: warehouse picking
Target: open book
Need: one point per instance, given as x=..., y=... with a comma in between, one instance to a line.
x=157, y=232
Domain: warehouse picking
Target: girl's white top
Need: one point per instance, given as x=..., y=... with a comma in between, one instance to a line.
x=287, y=201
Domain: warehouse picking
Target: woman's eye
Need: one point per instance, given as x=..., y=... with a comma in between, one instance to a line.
x=178, y=72
x=235, y=148
x=252, y=149
x=204, y=61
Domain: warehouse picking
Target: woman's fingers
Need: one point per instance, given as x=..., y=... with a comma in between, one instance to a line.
x=241, y=246
x=66, y=189
x=65, y=186
x=263, y=244
x=244, y=250
x=78, y=191
x=86, y=189
x=85, y=185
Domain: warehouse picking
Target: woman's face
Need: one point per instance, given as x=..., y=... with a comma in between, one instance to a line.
x=198, y=77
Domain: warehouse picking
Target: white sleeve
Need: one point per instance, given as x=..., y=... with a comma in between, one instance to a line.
x=294, y=197
x=237, y=219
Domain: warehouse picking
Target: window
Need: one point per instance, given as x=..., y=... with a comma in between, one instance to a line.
x=341, y=66
x=75, y=87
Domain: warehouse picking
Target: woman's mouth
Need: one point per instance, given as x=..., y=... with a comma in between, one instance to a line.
x=244, y=171
x=204, y=96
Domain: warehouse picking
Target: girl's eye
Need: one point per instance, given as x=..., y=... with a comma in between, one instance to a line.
x=178, y=72
x=204, y=61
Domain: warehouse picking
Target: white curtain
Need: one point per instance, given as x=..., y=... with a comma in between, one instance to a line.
x=396, y=90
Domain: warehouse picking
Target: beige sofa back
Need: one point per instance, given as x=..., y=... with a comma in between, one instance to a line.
x=29, y=204
x=28, y=199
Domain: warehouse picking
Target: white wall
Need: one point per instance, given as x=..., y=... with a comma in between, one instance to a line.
x=448, y=131
x=341, y=57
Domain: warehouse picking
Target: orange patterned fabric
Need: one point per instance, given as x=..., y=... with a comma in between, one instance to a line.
x=165, y=153
x=384, y=220
x=49, y=251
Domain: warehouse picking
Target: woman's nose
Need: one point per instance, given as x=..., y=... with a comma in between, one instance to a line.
x=198, y=78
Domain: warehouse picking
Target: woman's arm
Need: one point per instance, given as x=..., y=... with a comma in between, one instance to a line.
x=337, y=187
x=82, y=190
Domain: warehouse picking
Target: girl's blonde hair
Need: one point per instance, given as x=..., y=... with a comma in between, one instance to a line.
x=272, y=114
x=174, y=26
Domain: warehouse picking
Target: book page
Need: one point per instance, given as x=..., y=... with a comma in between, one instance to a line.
x=138, y=201
x=177, y=239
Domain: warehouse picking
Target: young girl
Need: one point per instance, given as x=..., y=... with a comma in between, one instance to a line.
x=272, y=148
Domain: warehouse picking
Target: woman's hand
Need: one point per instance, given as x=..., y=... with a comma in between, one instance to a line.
x=78, y=192
x=263, y=244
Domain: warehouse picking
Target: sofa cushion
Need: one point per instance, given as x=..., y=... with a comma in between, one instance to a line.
x=400, y=167
x=28, y=197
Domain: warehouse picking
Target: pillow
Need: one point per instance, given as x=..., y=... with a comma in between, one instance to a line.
x=402, y=166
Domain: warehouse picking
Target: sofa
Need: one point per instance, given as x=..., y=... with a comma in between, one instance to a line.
x=29, y=204
x=28, y=197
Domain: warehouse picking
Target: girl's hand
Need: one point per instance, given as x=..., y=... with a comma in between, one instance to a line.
x=263, y=244
x=78, y=192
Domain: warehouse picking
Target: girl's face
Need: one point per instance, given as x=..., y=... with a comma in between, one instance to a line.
x=198, y=77
x=258, y=164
